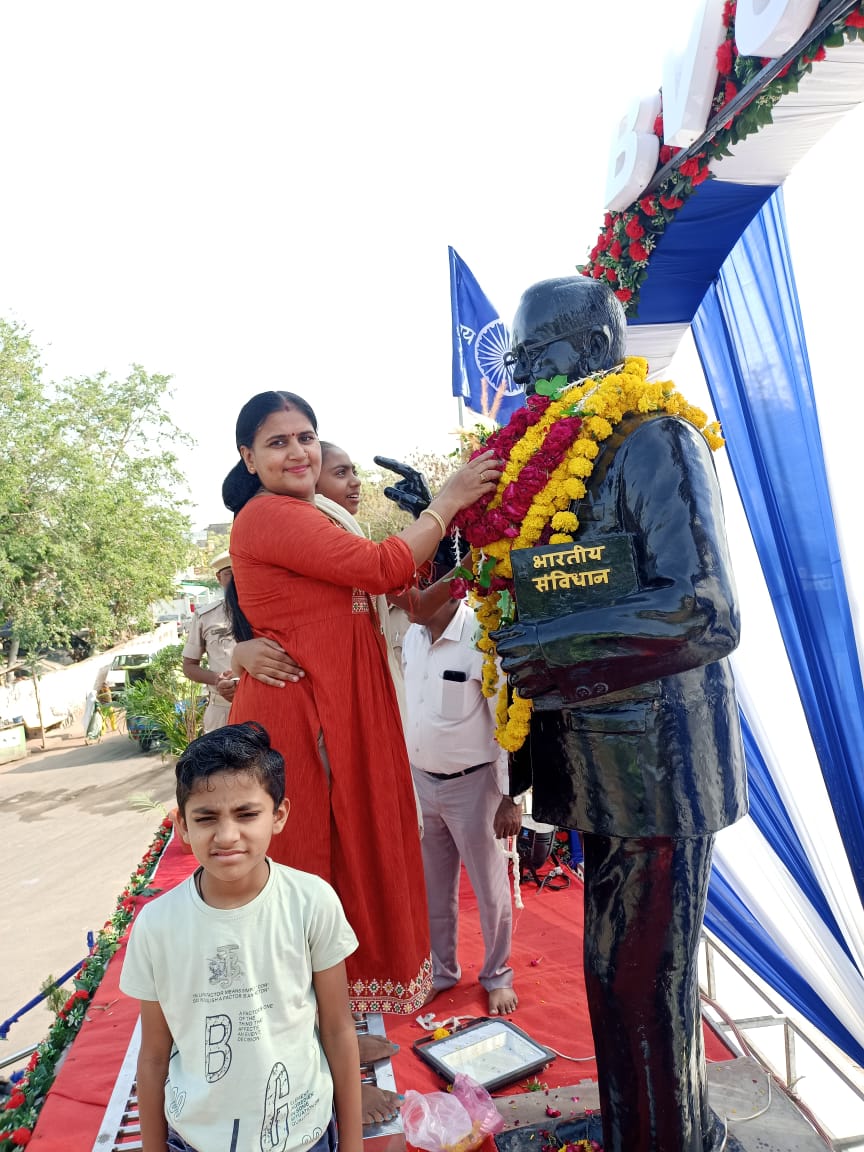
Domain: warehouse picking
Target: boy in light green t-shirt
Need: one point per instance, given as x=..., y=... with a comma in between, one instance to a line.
x=247, y=1038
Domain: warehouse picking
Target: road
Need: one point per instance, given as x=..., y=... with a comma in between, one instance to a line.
x=70, y=841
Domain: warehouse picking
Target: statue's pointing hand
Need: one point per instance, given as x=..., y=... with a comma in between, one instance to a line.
x=412, y=493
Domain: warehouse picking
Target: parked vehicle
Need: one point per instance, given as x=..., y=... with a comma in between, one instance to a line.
x=127, y=668
x=149, y=736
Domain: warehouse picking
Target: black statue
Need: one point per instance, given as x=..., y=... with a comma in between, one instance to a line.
x=647, y=760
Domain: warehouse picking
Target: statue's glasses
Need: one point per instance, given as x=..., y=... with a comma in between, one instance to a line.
x=524, y=356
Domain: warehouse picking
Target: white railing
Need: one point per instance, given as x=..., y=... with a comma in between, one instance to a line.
x=826, y=1086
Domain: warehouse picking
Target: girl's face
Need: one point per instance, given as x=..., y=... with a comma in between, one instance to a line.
x=285, y=455
x=339, y=481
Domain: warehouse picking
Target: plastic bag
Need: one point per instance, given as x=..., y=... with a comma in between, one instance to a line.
x=478, y=1104
x=456, y=1121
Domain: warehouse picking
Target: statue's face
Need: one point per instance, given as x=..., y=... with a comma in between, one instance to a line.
x=560, y=330
x=541, y=357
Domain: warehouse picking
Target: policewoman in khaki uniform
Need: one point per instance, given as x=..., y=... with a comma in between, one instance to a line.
x=210, y=636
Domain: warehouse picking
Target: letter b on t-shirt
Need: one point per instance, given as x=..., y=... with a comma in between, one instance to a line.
x=217, y=1050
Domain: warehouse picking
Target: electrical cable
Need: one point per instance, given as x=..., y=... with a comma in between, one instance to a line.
x=575, y=1059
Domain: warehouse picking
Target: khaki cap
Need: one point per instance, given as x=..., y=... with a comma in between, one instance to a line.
x=223, y=560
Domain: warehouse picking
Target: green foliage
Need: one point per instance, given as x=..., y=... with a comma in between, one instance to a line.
x=55, y=997
x=166, y=701
x=165, y=670
x=92, y=530
x=378, y=516
x=144, y=802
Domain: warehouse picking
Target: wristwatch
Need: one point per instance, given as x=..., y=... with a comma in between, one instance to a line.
x=517, y=799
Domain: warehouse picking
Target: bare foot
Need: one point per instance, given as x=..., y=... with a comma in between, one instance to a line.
x=430, y=995
x=502, y=1001
x=378, y=1104
x=374, y=1047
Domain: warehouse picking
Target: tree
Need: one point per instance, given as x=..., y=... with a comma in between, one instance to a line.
x=378, y=516
x=92, y=529
x=21, y=414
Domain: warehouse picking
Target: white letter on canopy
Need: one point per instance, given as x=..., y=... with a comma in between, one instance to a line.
x=689, y=80
x=633, y=160
x=771, y=27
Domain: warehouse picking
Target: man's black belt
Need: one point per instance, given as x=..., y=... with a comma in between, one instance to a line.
x=453, y=775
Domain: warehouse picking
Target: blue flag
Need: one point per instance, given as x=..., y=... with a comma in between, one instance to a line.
x=480, y=339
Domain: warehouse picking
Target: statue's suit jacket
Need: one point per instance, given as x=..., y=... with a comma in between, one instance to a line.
x=643, y=735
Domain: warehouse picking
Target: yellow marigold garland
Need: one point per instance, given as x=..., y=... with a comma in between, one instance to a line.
x=601, y=404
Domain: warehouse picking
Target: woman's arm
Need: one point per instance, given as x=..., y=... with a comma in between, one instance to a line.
x=339, y=1041
x=153, y=1057
x=283, y=532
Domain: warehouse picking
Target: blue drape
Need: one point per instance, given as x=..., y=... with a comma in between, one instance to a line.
x=749, y=335
x=750, y=339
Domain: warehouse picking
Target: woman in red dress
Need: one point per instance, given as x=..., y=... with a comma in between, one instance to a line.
x=304, y=582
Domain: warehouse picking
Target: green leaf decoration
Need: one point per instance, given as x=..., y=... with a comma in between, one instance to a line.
x=629, y=275
x=484, y=578
x=507, y=607
x=545, y=388
x=553, y=387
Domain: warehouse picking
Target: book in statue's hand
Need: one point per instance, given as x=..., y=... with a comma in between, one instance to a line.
x=557, y=579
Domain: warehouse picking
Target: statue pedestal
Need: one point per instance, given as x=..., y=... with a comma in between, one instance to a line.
x=738, y=1090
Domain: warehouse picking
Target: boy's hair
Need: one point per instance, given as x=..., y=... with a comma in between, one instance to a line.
x=233, y=748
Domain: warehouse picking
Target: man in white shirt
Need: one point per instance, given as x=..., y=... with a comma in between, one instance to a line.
x=450, y=733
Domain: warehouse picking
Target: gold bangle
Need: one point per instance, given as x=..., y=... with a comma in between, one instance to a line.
x=438, y=518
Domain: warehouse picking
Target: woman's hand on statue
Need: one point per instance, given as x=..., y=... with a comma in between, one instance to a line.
x=267, y=661
x=479, y=477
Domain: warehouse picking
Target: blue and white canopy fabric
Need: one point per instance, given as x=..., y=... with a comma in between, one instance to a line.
x=788, y=882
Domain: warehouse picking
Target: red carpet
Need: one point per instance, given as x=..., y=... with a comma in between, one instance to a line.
x=547, y=966
x=546, y=958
